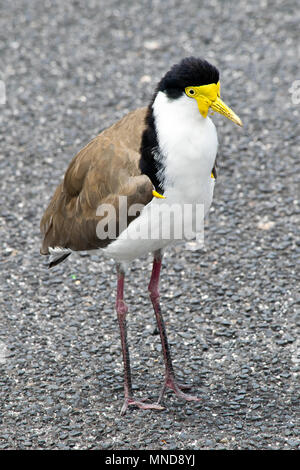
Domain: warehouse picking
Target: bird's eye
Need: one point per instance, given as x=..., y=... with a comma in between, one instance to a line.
x=190, y=92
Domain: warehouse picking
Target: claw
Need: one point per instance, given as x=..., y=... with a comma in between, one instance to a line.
x=140, y=404
x=177, y=389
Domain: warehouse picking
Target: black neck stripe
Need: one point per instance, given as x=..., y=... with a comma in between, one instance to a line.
x=150, y=165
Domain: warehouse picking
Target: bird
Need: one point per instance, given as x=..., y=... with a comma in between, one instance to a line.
x=118, y=191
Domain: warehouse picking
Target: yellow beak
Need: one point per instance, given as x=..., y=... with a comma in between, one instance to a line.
x=220, y=107
x=208, y=96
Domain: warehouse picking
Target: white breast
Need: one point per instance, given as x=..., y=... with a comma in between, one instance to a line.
x=188, y=145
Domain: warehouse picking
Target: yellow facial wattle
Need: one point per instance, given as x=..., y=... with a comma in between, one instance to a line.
x=208, y=96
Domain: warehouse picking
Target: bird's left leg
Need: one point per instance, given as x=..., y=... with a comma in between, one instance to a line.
x=122, y=309
x=170, y=380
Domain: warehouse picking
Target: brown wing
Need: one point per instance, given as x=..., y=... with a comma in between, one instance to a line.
x=105, y=169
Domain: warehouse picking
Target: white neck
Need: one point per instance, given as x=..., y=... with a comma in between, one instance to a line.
x=187, y=141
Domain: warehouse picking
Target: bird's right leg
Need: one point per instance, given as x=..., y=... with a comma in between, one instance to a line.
x=122, y=309
x=170, y=379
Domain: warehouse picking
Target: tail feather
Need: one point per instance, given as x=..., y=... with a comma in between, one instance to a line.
x=57, y=255
x=54, y=261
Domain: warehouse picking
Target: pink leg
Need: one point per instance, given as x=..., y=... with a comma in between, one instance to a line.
x=122, y=309
x=170, y=380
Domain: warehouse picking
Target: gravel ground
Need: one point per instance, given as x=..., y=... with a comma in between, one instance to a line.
x=71, y=69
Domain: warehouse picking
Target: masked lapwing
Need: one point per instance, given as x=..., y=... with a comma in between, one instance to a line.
x=117, y=192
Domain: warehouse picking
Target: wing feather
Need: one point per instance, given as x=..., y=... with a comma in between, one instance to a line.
x=104, y=169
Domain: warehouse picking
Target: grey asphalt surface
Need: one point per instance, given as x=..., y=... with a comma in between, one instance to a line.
x=231, y=309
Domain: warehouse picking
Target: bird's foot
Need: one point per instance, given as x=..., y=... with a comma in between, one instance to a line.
x=140, y=404
x=177, y=389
